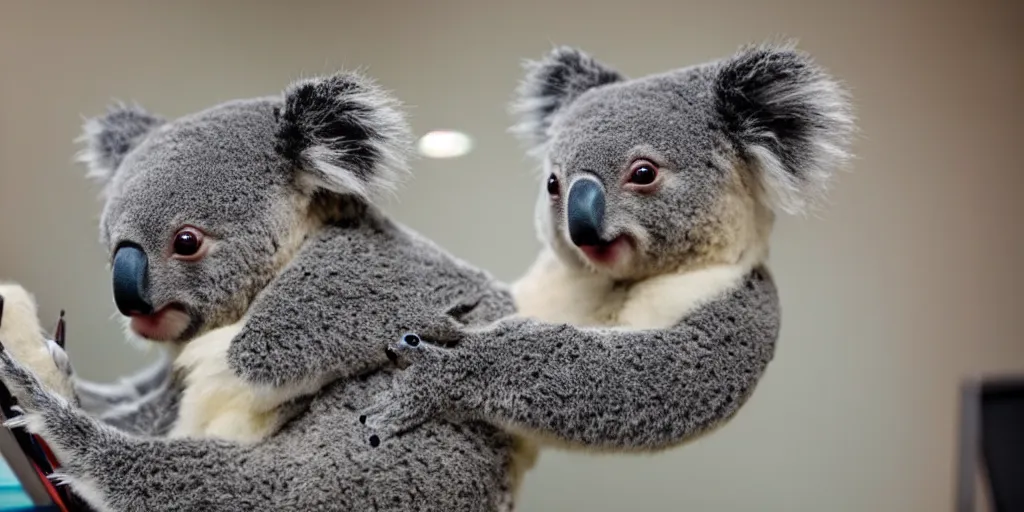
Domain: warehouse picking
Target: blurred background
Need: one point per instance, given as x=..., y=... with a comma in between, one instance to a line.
x=907, y=283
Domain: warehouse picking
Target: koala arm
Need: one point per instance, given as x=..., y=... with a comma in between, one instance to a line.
x=111, y=469
x=333, y=311
x=599, y=389
x=320, y=465
x=314, y=322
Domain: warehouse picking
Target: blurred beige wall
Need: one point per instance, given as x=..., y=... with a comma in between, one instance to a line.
x=908, y=282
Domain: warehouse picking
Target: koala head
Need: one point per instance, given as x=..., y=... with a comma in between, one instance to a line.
x=677, y=169
x=202, y=211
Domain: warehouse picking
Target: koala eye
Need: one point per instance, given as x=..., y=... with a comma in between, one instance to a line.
x=643, y=173
x=552, y=185
x=187, y=242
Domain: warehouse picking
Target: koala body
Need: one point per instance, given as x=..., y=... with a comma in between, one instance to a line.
x=650, y=315
x=244, y=240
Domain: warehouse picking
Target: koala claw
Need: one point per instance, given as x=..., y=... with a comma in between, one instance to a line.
x=41, y=411
x=60, y=358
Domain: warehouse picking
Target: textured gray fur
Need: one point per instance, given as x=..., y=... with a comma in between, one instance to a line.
x=256, y=169
x=256, y=175
x=589, y=387
x=769, y=104
x=383, y=280
x=735, y=140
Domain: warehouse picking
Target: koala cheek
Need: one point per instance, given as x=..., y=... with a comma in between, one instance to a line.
x=642, y=237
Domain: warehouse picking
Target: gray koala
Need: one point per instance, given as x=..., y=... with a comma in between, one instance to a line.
x=650, y=315
x=633, y=354
x=253, y=222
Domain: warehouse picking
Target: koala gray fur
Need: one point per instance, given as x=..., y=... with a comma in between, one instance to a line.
x=584, y=375
x=279, y=190
x=666, y=339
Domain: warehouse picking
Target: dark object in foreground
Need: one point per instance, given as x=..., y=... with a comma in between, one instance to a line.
x=992, y=437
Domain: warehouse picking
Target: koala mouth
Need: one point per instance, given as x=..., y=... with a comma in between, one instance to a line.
x=607, y=253
x=168, y=323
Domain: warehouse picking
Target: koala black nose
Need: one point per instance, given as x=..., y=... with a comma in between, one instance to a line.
x=585, y=212
x=130, y=281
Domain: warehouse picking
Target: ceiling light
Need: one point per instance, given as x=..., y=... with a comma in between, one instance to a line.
x=444, y=144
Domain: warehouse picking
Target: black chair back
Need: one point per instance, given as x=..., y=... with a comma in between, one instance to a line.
x=992, y=443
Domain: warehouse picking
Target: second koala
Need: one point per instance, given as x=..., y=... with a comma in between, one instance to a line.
x=650, y=315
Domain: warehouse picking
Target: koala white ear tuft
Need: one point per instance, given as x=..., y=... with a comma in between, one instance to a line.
x=109, y=137
x=549, y=85
x=348, y=134
x=792, y=121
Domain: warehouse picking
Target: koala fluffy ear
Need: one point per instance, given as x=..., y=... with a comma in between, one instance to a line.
x=549, y=85
x=347, y=134
x=792, y=121
x=108, y=138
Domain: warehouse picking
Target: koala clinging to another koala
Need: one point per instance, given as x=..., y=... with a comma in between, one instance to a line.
x=244, y=238
x=650, y=315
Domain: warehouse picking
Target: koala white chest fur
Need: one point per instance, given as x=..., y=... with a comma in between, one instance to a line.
x=553, y=292
x=215, y=402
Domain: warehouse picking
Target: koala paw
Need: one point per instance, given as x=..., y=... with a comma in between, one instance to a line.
x=65, y=429
x=413, y=398
x=443, y=331
x=436, y=382
x=23, y=339
x=394, y=413
x=446, y=328
x=29, y=391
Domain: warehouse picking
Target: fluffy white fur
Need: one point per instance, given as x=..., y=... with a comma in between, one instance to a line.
x=22, y=335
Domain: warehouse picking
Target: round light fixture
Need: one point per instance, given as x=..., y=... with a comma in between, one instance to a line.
x=444, y=144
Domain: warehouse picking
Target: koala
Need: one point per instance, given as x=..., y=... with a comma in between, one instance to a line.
x=650, y=315
x=245, y=241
